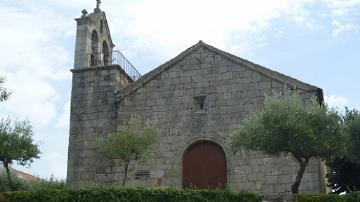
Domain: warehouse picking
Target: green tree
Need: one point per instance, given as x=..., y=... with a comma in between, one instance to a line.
x=129, y=143
x=344, y=170
x=16, y=144
x=352, y=129
x=288, y=123
x=343, y=175
x=4, y=93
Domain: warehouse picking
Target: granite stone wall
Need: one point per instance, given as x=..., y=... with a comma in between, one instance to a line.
x=202, y=97
x=231, y=92
x=92, y=115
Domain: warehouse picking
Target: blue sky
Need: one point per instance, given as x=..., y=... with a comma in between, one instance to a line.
x=314, y=41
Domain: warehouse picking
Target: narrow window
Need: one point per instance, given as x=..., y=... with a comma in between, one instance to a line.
x=92, y=60
x=101, y=26
x=94, y=41
x=106, y=54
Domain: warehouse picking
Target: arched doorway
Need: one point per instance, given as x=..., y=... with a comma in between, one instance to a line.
x=204, y=166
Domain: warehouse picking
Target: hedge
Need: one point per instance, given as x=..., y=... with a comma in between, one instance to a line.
x=121, y=194
x=351, y=197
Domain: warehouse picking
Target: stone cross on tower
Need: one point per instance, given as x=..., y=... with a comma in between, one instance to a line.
x=97, y=9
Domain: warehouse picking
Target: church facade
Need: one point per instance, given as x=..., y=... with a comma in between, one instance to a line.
x=196, y=100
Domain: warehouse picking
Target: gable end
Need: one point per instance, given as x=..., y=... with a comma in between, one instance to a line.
x=287, y=80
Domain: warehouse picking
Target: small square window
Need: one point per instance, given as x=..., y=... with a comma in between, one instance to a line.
x=200, y=102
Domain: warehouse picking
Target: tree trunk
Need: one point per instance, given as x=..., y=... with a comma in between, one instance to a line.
x=125, y=173
x=10, y=182
x=303, y=164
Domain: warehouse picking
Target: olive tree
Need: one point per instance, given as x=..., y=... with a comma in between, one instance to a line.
x=129, y=143
x=16, y=144
x=4, y=93
x=289, y=124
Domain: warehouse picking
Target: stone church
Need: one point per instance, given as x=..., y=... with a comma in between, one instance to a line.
x=196, y=100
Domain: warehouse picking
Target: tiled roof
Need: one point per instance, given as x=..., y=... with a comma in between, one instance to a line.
x=25, y=175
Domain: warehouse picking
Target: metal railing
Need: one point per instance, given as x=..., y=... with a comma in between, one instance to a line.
x=116, y=57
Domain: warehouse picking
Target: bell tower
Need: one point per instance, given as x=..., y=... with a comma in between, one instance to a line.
x=99, y=73
x=94, y=45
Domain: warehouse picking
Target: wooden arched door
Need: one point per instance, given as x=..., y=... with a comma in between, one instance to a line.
x=204, y=166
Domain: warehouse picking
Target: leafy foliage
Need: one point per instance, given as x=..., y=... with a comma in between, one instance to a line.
x=18, y=183
x=120, y=194
x=343, y=175
x=352, y=125
x=50, y=183
x=288, y=123
x=129, y=143
x=344, y=170
x=4, y=93
x=351, y=197
x=16, y=144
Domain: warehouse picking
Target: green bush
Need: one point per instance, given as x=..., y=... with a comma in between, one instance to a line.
x=43, y=184
x=351, y=197
x=319, y=198
x=19, y=183
x=121, y=194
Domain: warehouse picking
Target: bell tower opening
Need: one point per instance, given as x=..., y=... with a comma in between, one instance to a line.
x=106, y=54
x=94, y=48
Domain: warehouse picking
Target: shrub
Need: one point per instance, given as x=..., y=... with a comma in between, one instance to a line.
x=18, y=183
x=351, y=197
x=125, y=194
x=44, y=184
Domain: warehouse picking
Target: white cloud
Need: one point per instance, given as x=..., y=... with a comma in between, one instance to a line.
x=34, y=56
x=35, y=59
x=336, y=101
x=57, y=162
x=343, y=7
x=163, y=28
x=342, y=28
x=345, y=14
x=64, y=119
x=32, y=97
